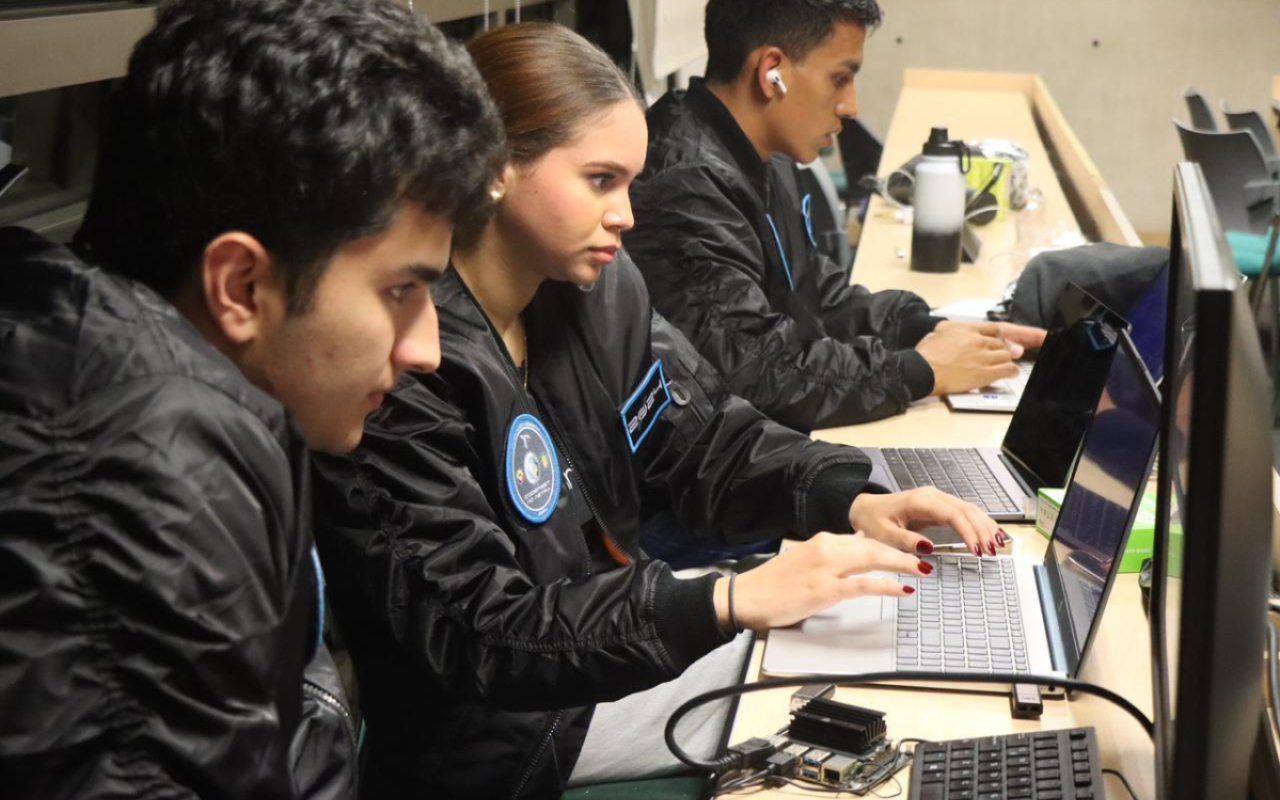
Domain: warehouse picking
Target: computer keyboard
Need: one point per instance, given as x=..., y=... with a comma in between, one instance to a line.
x=956, y=471
x=965, y=617
x=1015, y=383
x=1050, y=765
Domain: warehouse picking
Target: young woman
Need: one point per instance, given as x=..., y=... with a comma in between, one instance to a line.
x=481, y=546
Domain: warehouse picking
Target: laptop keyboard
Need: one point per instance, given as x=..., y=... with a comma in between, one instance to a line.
x=1015, y=383
x=956, y=471
x=965, y=617
x=1019, y=382
x=1050, y=765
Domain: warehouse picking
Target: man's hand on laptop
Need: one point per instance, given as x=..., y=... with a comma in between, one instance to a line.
x=964, y=358
x=811, y=577
x=1018, y=338
x=888, y=518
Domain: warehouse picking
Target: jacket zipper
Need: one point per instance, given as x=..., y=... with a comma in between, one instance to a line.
x=327, y=698
x=537, y=755
x=515, y=375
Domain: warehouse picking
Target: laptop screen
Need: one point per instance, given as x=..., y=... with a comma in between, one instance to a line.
x=1147, y=317
x=1059, y=398
x=1102, y=497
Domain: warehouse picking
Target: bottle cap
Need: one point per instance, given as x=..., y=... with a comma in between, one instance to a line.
x=940, y=145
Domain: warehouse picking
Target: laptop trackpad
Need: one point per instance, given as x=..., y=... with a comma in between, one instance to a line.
x=941, y=534
x=851, y=637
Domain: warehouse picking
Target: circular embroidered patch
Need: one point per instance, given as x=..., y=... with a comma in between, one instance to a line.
x=533, y=471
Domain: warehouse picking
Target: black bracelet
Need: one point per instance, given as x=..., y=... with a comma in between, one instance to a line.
x=733, y=619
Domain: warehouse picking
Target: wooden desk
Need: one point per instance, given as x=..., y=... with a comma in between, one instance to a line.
x=1016, y=107
x=1275, y=100
x=1076, y=205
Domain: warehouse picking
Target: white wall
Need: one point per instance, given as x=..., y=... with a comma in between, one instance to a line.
x=668, y=38
x=1119, y=95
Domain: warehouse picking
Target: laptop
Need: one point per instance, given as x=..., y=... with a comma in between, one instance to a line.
x=1044, y=435
x=1146, y=315
x=1000, y=397
x=1004, y=614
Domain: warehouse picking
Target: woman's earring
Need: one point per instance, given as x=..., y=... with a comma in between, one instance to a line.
x=496, y=194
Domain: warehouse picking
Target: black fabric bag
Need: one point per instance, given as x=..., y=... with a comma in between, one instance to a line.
x=1115, y=274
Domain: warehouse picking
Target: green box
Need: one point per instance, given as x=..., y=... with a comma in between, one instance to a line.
x=1141, y=539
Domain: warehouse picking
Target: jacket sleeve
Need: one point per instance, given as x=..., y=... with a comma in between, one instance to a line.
x=702, y=260
x=151, y=565
x=407, y=516
x=732, y=474
x=899, y=319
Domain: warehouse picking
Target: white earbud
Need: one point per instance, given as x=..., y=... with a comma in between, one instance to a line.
x=773, y=77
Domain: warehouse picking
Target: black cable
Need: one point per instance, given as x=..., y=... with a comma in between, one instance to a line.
x=755, y=779
x=898, y=793
x=812, y=787
x=880, y=677
x=1127, y=787
x=742, y=782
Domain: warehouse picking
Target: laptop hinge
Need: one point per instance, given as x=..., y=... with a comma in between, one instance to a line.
x=1057, y=649
x=1026, y=480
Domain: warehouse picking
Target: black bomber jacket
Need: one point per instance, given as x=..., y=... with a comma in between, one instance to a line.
x=486, y=616
x=159, y=616
x=722, y=240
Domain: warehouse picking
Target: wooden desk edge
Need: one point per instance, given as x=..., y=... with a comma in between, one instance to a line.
x=1097, y=211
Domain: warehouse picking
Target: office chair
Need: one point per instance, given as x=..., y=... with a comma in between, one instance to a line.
x=826, y=216
x=10, y=174
x=1201, y=116
x=1241, y=184
x=860, y=152
x=1247, y=198
x=1252, y=121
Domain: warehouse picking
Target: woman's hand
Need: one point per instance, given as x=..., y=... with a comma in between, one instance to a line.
x=811, y=577
x=888, y=518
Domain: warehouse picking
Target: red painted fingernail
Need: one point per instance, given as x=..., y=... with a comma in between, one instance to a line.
x=925, y=568
x=992, y=548
x=924, y=547
x=909, y=589
x=977, y=551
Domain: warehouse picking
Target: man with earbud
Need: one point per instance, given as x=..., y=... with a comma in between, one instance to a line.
x=723, y=240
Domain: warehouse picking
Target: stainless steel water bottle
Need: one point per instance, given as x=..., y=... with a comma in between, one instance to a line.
x=938, y=198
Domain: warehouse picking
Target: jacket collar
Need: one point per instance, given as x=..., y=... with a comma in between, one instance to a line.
x=709, y=108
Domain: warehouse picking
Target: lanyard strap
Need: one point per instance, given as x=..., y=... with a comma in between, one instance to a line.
x=315, y=563
x=778, y=241
x=806, y=206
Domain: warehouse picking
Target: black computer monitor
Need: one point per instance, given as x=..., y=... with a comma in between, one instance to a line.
x=1214, y=516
